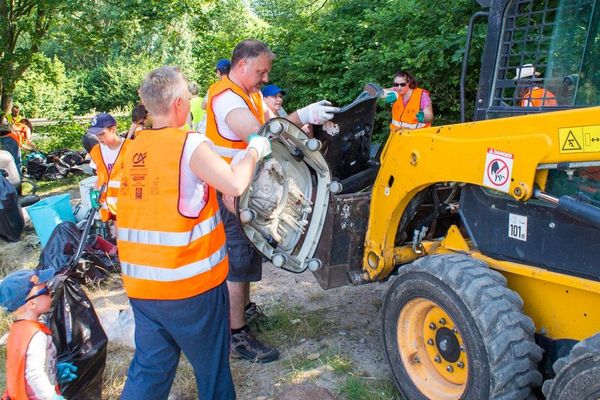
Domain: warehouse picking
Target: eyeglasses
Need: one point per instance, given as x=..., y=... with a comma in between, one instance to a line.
x=402, y=84
x=41, y=292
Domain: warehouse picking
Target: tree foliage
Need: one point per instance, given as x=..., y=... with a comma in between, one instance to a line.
x=325, y=49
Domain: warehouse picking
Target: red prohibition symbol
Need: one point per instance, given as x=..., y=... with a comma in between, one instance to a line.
x=497, y=172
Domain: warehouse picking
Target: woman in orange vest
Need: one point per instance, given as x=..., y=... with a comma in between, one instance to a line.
x=31, y=368
x=411, y=107
x=172, y=245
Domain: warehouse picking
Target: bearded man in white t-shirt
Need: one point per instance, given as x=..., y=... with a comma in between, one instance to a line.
x=235, y=112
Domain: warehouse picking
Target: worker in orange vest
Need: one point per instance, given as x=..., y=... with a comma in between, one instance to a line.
x=105, y=157
x=235, y=110
x=14, y=116
x=411, y=105
x=529, y=93
x=172, y=244
x=31, y=368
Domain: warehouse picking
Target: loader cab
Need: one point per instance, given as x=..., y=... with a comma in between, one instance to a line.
x=541, y=55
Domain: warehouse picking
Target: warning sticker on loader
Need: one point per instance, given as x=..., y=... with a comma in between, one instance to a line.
x=498, y=170
x=579, y=139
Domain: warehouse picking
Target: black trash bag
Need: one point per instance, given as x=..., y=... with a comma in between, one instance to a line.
x=11, y=215
x=56, y=169
x=71, y=158
x=79, y=338
x=36, y=166
x=59, y=253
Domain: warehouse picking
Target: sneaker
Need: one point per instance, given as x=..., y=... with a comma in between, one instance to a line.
x=254, y=314
x=246, y=346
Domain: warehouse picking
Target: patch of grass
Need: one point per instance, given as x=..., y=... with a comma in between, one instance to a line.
x=316, y=296
x=340, y=364
x=363, y=388
x=70, y=182
x=288, y=326
x=6, y=320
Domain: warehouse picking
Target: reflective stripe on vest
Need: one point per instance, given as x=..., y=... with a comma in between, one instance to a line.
x=226, y=147
x=154, y=273
x=406, y=116
x=170, y=238
x=165, y=254
x=400, y=124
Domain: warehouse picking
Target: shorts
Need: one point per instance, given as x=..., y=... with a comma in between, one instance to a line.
x=245, y=262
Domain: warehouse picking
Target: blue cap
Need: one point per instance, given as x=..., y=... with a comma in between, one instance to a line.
x=271, y=90
x=100, y=122
x=17, y=285
x=223, y=66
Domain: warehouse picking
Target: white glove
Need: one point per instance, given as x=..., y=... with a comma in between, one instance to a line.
x=260, y=144
x=317, y=113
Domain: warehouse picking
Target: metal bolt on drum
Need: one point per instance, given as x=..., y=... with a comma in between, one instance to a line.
x=314, y=264
x=279, y=260
x=276, y=127
x=335, y=187
x=247, y=215
x=313, y=144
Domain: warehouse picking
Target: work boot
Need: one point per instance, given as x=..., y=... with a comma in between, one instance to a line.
x=254, y=314
x=246, y=346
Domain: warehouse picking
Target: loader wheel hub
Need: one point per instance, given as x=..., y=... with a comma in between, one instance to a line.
x=448, y=344
x=432, y=350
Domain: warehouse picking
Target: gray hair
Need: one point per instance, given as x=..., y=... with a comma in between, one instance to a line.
x=250, y=48
x=161, y=87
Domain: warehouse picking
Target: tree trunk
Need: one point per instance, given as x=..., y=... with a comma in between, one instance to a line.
x=7, y=101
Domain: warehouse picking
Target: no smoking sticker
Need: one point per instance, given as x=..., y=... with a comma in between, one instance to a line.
x=498, y=170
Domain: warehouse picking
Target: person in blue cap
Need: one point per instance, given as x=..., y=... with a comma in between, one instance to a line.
x=31, y=368
x=273, y=96
x=222, y=71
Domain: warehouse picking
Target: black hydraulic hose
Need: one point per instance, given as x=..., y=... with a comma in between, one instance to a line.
x=463, y=75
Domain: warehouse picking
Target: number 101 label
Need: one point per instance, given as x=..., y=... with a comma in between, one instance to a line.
x=517, y=227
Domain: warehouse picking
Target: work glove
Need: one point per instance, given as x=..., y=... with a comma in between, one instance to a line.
x=260, y=144
x=391, y=97
x=421, y=116
x=65, y=372
x=95, y=199
x=317, y=113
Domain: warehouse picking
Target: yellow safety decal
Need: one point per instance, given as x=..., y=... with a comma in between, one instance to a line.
x=579, y=139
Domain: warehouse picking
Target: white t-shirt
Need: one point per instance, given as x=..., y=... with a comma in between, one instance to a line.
x=108, y=155
x=40, y=367
x=222, y=105
x=193, y=192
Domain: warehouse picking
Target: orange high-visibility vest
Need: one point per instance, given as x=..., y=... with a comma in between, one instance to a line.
x=225, y=147
x=23, y=132
x=539, y=97
x=165, y=254
x=112, y=180
x=406, y=116
x=21, y=333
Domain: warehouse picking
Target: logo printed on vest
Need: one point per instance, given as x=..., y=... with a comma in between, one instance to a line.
x=139, y=193
x=138, y=159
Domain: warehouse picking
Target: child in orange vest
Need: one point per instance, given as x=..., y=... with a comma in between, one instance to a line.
x=31, y=368
x=104, y=160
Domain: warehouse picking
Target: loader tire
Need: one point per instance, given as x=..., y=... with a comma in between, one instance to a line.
x=453, y=330
x=577, y=374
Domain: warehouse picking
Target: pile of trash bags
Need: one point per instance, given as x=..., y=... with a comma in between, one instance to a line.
x=55, y=165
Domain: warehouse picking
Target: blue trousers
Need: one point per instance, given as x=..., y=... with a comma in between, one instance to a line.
x=198, y=326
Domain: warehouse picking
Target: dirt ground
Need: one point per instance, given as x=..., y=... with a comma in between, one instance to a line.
x=329, y=340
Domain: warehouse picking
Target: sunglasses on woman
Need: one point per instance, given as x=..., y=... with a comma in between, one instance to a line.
x=396, y=84
x=41, y=292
